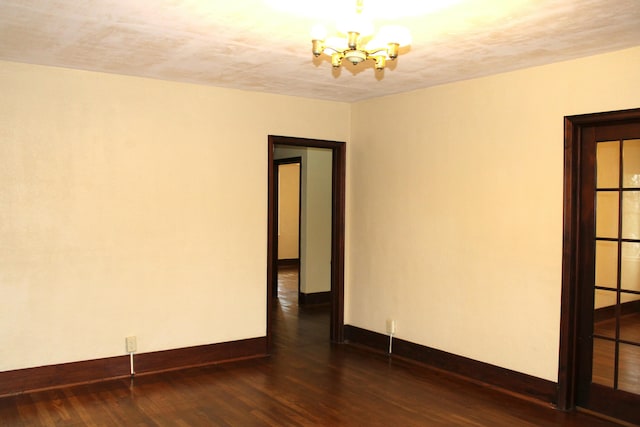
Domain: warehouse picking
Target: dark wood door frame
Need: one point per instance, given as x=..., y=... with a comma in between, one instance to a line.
x=337, y=229
x=573, y=311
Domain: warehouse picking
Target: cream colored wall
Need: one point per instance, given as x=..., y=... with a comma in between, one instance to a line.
x=288, y=211
x=116, y=217
x=135, y=207
x=454, y=222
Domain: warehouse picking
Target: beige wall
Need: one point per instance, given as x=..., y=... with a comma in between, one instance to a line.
x=317, y=224
x=124, y=211
x=455, y=208
x=288, y=211
x=134, y=207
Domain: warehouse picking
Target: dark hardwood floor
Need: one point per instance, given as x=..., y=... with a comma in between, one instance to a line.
x=306, y=382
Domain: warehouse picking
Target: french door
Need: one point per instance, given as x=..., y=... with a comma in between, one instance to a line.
x=602, y=248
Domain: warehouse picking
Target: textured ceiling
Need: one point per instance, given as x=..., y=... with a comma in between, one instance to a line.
x=254, y=45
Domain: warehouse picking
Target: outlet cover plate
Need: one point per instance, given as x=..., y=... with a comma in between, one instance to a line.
x=132, y=345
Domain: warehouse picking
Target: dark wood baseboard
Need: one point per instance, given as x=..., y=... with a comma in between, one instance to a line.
x=293, y=262
x=505, y=379
x=315, y=298
x=65, y=374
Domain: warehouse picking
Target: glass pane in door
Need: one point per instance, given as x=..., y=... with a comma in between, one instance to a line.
x=608, y=163
x=630, y=267
x=606, y=264
x=629, y=369
x=631, y=214
x=607, y=214
x=604, y=355
x=604, y=316
x=631, y=164
x=630, y=318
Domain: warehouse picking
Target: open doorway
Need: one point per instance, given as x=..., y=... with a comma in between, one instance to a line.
x=335, y=231
x=288, y=206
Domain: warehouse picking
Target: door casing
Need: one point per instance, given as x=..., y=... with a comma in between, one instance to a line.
x=573, y=306
x=337, y=229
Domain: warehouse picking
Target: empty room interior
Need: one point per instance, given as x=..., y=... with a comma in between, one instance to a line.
x=468, y=230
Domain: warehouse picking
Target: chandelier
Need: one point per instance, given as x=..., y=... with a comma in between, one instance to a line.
x=357, y=43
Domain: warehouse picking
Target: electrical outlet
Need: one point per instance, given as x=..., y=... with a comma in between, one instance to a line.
x=391, y=326
x=132, y=345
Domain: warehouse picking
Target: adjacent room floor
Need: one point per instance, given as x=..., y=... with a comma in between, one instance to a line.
x=305, y=382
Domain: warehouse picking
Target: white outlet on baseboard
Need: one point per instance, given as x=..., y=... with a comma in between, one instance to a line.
x=391, y=326
x=132, y=345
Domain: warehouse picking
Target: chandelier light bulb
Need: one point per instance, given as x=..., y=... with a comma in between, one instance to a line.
x=318, y=32
x=395, y=34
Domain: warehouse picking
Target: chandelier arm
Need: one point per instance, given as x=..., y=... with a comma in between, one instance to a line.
x=372, y=52
x=334, y=50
